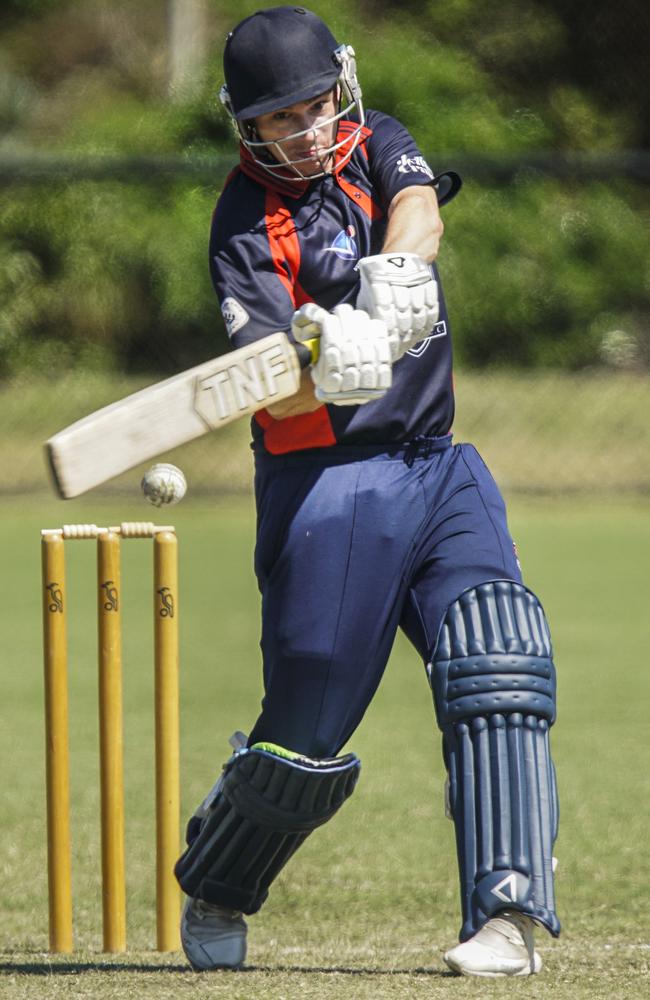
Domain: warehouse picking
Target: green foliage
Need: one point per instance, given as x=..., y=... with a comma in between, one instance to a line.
x=567, y=265
x=537, y=272
x=105, y=275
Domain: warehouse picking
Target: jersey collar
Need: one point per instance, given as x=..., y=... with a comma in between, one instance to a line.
x=296, y=188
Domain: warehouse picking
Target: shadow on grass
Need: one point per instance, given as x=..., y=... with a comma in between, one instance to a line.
x=79, y=968
x=340, y=970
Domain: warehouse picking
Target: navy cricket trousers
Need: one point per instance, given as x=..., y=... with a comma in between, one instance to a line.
x=353, y=544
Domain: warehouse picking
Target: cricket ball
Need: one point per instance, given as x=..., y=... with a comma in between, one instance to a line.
x=164, y=484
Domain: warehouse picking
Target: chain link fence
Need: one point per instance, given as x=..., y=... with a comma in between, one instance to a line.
x=542, y=433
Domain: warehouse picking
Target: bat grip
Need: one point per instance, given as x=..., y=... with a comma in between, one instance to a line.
x=308, y=351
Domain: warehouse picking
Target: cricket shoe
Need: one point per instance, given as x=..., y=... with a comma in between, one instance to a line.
x=213, y=937
x=504, y=946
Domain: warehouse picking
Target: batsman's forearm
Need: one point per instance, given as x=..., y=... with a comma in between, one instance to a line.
x=414, y=223
x=304, y=400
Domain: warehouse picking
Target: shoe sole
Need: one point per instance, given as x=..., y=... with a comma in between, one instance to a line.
x=199, y=958
x=526, y=971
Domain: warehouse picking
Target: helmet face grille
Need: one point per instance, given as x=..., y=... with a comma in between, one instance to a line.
x=278, y=57
x=273, y=158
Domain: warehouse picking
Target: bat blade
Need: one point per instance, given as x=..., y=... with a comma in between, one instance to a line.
x=171, y=413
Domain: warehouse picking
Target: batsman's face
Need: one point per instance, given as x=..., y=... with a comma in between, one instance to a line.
x=302, y=134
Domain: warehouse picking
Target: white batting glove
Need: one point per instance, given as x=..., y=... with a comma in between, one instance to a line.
x=354, y=361
x=400, y=289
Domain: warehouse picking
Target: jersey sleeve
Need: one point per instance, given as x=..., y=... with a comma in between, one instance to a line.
x=396, y=161
x=254, y=296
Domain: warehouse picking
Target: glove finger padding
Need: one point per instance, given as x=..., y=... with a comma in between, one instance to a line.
x=399, y=289
x=355, y=359
x=307, y=322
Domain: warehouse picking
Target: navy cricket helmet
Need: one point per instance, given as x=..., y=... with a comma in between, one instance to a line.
x=283, y=56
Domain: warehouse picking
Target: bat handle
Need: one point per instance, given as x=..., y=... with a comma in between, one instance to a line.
x=313, y=346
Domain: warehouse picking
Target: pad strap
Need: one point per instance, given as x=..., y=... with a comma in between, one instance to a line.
x=493, y=681
x=268, y=803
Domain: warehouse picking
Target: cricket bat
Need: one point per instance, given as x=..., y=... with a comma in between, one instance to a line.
x=173, y=412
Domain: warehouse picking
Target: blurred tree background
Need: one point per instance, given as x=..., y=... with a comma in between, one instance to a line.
x=113, y=149
x=540, y=270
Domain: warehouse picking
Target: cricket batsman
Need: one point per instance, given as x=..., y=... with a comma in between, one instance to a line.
x=369, y=518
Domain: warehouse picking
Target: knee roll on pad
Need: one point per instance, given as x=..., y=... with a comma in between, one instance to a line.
x=268, y=802
x=493, y=682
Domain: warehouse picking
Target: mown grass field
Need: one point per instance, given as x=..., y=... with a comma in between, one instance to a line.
x=370, y=902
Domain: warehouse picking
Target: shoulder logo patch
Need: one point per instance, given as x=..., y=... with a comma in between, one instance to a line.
x=344, y=245
x=414, y=164
x=234, y=315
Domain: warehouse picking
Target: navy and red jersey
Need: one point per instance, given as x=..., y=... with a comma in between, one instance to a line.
x=276, y=244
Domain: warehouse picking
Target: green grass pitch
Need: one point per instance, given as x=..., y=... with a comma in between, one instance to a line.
x=369, y=904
